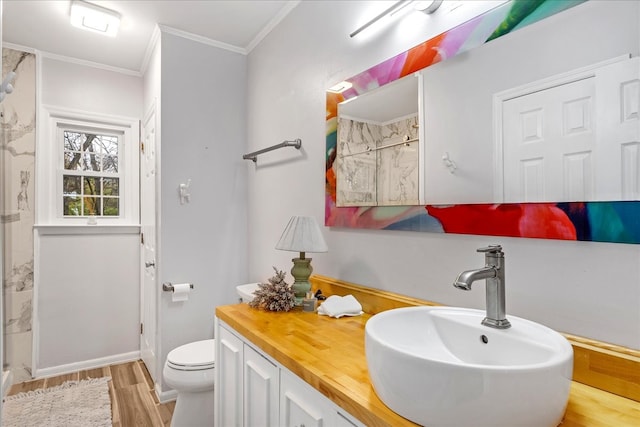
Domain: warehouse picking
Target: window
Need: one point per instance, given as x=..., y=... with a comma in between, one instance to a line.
x=88, y=168
x=90, y=177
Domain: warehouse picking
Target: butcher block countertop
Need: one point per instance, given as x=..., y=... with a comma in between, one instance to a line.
x=329, y=354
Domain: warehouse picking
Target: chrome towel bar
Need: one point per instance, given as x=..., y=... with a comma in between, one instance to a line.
x=254, y=156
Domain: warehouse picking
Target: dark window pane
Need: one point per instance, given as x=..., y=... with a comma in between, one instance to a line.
x=71, y=206
x=110, y=164
x=111, y=207
x=110, y=186
x=96, y=145
x=73, y=140
x=91, y=206
x=91, y=185
x=108, y=144
x=71, y=184
x=91, y=161
x=73, y=161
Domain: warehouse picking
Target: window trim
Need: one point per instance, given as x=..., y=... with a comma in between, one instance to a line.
x=50, y=165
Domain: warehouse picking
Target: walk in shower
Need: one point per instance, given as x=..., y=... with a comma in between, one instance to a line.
x=17, y=214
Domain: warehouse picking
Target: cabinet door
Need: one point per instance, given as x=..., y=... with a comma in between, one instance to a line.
x=344, y=420
x=228, y=386
x=261, y=385
x=300, y=404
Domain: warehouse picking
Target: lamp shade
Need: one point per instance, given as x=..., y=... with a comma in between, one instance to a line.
x=302, y=234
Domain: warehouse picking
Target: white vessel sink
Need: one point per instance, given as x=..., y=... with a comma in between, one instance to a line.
x=438, y=366
x=245, y=292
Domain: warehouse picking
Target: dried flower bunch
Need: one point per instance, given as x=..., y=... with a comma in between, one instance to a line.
x=276, y=295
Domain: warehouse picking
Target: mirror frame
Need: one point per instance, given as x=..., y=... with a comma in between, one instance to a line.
x=610, y=221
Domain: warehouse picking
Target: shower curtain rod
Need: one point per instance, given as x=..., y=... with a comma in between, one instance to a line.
x=370, y=150
x=254, y=156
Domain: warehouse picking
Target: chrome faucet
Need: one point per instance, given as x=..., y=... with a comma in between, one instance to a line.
x=493, y=272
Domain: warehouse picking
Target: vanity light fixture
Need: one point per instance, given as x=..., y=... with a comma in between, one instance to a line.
x=340, y=87
x=427, y=7
x=92, y=17
x=389, y=11
x=302, y=234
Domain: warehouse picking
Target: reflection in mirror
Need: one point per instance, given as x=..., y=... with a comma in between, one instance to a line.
x=461, y=179
x=549, y=113
x=378, y=147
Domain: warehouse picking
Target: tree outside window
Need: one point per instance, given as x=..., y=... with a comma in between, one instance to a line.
x=91, y=180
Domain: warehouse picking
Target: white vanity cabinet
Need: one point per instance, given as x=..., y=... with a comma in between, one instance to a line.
x=300, y=405
x=247, y=384
x=228, y=379
x=261, y=380
x=253, y=390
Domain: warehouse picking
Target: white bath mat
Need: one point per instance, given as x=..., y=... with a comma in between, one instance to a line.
x=83, y=403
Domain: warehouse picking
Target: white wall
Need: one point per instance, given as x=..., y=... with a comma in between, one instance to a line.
x=88, y=298
x=589, y=289
x=204, y=242
x=90, y=89
x=87, y=286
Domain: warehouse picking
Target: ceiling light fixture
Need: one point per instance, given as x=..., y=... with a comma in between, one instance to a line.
x=94, y=18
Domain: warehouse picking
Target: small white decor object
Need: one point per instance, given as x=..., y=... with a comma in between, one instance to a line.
x=336, y=306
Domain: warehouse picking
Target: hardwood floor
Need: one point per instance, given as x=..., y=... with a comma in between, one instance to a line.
x=133, y=400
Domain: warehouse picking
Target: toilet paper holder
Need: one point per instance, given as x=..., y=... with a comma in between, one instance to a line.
x=168, y=287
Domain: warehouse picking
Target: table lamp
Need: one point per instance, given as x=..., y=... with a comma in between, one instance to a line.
x=302, y=234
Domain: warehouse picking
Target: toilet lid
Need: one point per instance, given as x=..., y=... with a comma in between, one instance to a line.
x=195, y=355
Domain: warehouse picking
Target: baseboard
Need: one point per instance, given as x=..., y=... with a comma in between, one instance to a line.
x=7, y=381
x=165, y=396
x=86, y=364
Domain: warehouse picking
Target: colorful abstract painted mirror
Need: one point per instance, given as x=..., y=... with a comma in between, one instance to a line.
x=456, y=199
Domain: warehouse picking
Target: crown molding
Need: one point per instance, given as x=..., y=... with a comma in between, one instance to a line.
x=69, y=59
x=201, y=39
x=153, y=41
x=289, y=6
x=19, y=47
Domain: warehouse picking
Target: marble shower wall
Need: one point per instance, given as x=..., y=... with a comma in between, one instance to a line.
x=388, y=176
x=17, y=195
x=397, y=166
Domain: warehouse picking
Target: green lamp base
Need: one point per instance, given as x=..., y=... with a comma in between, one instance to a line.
x=301, y=271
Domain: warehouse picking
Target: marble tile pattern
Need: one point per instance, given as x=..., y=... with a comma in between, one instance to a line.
x=356, y=165
x=397, y=167
x=386, y=176
x=17, y=159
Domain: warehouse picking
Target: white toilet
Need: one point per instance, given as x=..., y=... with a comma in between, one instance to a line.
x=190, y=371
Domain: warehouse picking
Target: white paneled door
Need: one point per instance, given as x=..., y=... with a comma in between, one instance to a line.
x=574, y=138
x=549, y=141
x=618, y=127
x=149, y=288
